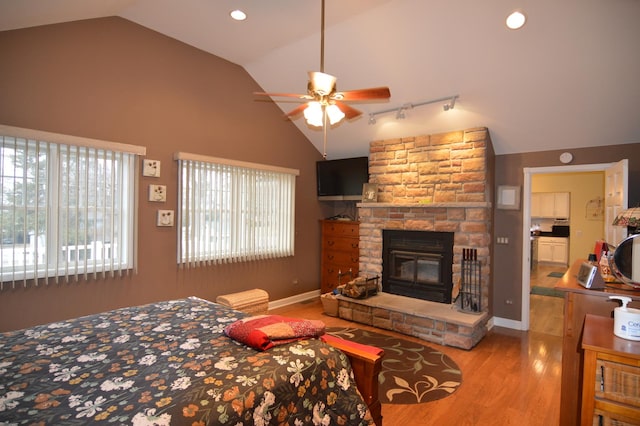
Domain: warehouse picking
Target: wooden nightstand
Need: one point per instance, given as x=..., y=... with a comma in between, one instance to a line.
x=611, y=375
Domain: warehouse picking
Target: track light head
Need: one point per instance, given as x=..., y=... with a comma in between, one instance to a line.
x=372, y=119
x=400, y=114
x=450, y=105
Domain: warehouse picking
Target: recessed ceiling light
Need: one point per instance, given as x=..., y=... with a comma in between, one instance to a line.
x=516, y=20
x=238, y=15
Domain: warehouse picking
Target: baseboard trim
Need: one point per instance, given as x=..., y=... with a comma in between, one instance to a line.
x=294, y=299
x=507, y=323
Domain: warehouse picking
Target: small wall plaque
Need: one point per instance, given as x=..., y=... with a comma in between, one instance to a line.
x=508, y=197
x=151, y=168
x=369, y=193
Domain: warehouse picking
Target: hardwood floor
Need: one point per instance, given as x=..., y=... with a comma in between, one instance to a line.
x=545, y=312
x=509, y=378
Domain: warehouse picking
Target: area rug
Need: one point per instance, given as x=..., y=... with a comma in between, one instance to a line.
x=546, y=291
x=555, y=274
x=412, y=373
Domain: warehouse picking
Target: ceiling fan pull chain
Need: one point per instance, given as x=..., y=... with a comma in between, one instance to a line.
x=324, y=128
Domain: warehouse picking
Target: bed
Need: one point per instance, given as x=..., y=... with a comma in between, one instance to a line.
x=170, y=363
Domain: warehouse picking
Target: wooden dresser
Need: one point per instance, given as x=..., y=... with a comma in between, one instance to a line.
x=340, y=251
x=578, y=302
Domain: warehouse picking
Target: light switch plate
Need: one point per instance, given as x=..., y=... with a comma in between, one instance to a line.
x=158, y=193
x=151, y=168
x=165, y=218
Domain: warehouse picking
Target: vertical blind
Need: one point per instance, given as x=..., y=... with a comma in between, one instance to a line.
x=234, y=211
x=66, y=210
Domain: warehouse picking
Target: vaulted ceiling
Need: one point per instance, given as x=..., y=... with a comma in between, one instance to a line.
x=569, y=78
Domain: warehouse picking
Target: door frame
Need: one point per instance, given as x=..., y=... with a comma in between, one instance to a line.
x=526, y=224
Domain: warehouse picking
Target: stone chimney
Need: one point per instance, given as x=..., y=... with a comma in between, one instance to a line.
x=440, y=182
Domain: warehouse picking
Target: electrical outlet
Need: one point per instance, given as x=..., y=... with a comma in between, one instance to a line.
x=158, y=193
x=165, y=218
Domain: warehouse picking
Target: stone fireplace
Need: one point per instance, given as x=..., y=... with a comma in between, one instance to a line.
x=436, y=183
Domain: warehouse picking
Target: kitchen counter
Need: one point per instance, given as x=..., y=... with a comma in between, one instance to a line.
x=547, y=234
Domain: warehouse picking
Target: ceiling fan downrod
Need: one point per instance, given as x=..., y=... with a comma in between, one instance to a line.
x=322, y=38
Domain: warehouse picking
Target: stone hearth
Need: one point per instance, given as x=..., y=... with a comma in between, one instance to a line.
x=431, y=321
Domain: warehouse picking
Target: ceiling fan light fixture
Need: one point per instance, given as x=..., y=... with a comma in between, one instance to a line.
x=334, y=114
x=313, y=114
x=322, y=84
x=516, y=19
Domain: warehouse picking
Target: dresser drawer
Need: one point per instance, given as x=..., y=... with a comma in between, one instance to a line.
x=330, y=274
x=340, y=257
x=617, y=382
x=608, y=418
x=340, y=228
x=341, y=244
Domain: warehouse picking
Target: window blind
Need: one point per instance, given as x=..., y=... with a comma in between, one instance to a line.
x=234, y=211
x=66, y=211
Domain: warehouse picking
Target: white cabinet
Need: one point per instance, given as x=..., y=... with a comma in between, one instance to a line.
x=550, y=204
x=553, y=249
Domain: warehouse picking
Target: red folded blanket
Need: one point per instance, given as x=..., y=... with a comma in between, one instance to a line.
x=266, y=331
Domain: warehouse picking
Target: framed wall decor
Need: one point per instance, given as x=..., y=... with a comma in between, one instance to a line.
x=151, y=168
x=369, y=193
x=508, y=197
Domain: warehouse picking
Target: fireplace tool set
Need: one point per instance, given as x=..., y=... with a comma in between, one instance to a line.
x=470, y=279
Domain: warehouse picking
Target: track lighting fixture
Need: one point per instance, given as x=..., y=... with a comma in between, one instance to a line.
x=450, y=102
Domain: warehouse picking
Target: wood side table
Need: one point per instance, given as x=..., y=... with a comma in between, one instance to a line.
x=611, y=375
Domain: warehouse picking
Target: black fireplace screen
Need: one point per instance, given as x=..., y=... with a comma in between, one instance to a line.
x=418, y=264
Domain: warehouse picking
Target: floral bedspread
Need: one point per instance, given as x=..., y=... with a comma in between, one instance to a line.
x=169, y=363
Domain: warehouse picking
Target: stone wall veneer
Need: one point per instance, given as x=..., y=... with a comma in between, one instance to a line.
x=431, y=183
x=438, y=182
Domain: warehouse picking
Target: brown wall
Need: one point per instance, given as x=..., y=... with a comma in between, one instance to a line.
x=114, y=80
x=507, y=273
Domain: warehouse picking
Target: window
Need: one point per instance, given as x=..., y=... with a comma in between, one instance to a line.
x=234, y=211
x=67, y=206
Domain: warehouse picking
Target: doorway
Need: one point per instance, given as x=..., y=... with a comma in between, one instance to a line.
x=526, y=220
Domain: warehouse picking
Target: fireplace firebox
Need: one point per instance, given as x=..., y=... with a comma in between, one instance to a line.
x=418, y=264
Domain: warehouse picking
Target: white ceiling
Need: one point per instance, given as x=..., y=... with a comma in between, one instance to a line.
x=569, y=78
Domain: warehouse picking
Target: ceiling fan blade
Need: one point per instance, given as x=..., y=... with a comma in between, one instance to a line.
x=349, y=111
x=296, y=111
x=283, y=95
x=364, y=94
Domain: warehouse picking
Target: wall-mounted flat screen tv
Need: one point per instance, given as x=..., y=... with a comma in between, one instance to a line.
x=342, y=179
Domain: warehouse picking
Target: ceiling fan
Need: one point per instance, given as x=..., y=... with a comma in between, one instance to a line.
x=323, y=101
